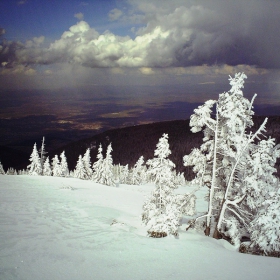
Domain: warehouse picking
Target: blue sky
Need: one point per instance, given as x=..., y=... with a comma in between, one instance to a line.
x=24, y=20
x=58, y=44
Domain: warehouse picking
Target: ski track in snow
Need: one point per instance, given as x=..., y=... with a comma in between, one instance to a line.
x=62, y=228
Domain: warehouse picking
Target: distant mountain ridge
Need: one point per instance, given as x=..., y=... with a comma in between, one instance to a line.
x=130, y=143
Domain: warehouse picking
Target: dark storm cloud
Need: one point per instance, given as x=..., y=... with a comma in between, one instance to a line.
x=174, y=33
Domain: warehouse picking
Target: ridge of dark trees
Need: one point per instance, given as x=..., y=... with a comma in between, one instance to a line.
x=130, y=143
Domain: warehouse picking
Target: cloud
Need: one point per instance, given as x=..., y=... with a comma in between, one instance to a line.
x=22, y=2
x=18, y=69
x=35, y=42
x=146, y=71
x=79, y=16
x=181, y=33
x=115, y=14
x=84, y=4
x=2, y=31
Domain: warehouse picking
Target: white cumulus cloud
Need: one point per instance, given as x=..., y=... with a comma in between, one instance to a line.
x=115, y=14
x=79, y=16
x=179, y=33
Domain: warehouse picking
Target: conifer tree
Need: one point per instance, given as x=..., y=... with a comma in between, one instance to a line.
x=138, y=173
x=11, y=171
x=34, y=168
x=98, y=167
x=47, y=171
x=42, y=154
x=265, y=229
x=107, y=176
x=64, y=165
x=160, y=213
x=260, y=179
x=2, y=171
x=80, y=171
x=56, y=168
x=223, y=161
x=87, y=164
x=124, y=174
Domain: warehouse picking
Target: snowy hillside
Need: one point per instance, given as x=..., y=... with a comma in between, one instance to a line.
x=62, y=228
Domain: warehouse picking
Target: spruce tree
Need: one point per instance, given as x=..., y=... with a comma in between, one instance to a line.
x=64, y=165
x=138, y=173
x=265, y=229
x=47, y=171
x=34, y=168
x=107, y=168
x=160, y=212
x=98, y=167
x=42, y=154
x=124, y=174
x=80, y=171
x=223, y=162
x=56, y=168
x=87, y=164
x=2, y=171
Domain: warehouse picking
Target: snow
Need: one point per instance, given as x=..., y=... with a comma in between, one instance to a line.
x=67, y=228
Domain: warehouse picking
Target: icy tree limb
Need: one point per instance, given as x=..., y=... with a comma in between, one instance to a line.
x=225, y=200
x=213, y=182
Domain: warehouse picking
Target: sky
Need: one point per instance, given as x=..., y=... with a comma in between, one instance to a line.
x=175, y=51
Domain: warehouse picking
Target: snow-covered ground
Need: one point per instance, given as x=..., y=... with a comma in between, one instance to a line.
x=62, y=228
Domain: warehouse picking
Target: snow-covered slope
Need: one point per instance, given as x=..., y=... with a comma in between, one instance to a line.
x=61, y=228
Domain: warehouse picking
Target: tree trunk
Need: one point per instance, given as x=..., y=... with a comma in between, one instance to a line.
x=213, y=181
x=207, y=231
x=217, y=234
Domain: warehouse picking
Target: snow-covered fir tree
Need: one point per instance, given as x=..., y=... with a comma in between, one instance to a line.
x=42, y=154
x=80, y=171
x=160, y=213
x=34, y=168
x=11, y=171
x=265, y=227
x=107, y=176
x=124, y=174
x=2, y=171
x=260, y=169
x=63, y=165
x=47, y=170
x=87, y=164
x=221, y=163
x=264, y=198
x=179, y=179
x=98, y=167
x=56, y=168
x=198, y=160
x=138, y=172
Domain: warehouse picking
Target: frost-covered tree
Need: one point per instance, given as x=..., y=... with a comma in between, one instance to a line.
x=198, y=160
x=98, y=167
x=56, y=168
x=42, y=154
x=64, y=165
x=221, y=163
x=80, y=171
x=160, y=213
x=107, y=176
x=11, y=171
x=34, y=168
x=138, y=172
x=47, y=170
x=265, y=227
x=2, y=171
x=260, y=169
x=87, y=164
x=124, y=175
